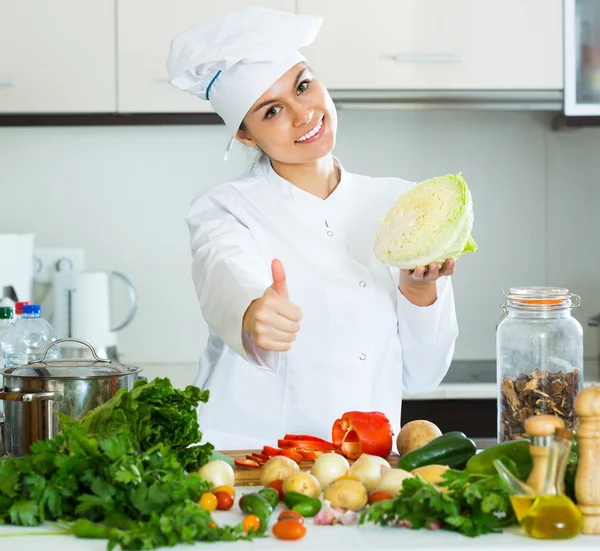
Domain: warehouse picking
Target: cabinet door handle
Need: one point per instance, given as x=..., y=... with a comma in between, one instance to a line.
x=427, y=58
x=6, y=82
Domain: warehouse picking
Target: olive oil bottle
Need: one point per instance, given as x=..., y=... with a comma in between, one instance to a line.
x=553, y=515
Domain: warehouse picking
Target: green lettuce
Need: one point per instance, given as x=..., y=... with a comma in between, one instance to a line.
x=429, y=223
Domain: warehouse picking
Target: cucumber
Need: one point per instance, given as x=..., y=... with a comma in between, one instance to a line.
x=453, y=449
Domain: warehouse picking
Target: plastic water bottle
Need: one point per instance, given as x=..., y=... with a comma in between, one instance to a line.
x=27, y=339
x=6, y=318
x=19, y=310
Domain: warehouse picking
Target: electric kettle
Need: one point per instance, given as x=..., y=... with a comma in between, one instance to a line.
x=83, y=309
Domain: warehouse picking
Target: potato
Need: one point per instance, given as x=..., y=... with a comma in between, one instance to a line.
x=432, y=474
x=303, y=483
x=277, y=468
x=415, y=434
x=349, y=494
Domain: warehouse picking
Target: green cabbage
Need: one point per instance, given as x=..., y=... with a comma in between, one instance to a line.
x=429, y=223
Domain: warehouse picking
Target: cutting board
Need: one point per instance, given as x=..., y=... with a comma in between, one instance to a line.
x=251, y=477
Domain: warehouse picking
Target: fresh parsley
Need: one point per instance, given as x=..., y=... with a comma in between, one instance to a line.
x=472, y=505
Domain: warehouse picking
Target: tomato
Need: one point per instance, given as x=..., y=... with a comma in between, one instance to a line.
x=291, y=515
x=277, y=485
x=348, y=477
x=379, y=495
x=224, y=488
x=251, y=523
x=224, y=500
x=208, y=501
x=289, y=530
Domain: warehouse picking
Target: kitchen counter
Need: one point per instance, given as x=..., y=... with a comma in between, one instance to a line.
x=321, y=538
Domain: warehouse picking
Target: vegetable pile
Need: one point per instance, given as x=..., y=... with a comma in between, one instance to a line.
x=429, y=223
x=120, y=473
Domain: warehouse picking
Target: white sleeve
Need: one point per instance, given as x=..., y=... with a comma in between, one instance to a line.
x=427, y=335
x=229, y=273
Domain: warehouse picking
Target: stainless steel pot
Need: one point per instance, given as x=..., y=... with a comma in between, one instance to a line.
x=35, y=392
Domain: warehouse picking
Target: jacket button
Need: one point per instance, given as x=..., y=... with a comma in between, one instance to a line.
x=330, y=233
x=362, y=357
x=362, y=283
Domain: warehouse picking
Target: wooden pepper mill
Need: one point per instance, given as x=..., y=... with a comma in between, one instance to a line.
x=587, y=478
x=540, y=428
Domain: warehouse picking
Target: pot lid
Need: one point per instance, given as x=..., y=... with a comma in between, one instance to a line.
x=77, y=368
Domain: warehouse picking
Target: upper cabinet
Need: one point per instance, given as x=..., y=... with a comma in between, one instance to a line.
x=57, y=56
x=438, y=44
x=145, y=31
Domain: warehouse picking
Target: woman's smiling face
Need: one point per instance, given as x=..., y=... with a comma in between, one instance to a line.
x=294, y=121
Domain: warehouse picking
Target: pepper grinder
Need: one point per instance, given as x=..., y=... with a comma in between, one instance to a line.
x=587, y=477
x=540, y=428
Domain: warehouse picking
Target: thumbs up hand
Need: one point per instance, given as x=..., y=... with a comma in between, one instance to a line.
x=273, y=320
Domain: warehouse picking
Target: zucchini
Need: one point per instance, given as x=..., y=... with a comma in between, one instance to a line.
x=453, y=449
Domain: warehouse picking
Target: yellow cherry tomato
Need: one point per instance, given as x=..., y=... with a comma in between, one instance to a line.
x=224, y=488
x=208, y=501
x=348, y=477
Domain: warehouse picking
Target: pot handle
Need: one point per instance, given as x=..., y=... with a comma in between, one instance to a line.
x=58, y=341
x=30, y=396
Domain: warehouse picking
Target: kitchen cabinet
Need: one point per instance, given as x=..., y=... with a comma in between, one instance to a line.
x=145, y=31
x=57, y=57
x=438, y=44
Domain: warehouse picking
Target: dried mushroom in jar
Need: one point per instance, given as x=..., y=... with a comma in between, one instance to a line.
x=537, y=393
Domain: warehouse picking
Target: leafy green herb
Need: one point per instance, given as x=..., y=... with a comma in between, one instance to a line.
x=121, y=482
x=473, y=505
x=155, y=413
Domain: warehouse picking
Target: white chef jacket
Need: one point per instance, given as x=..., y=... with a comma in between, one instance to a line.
x=360, y=343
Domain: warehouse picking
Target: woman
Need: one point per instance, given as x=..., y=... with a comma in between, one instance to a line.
x=305, y=323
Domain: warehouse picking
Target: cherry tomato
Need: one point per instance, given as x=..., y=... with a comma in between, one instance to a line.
x=348, y=477
x=227, y=489
x=289, y=530
x=291, y=515
x=208, y=501
x=224, y=500
x=251, y=523
x=277, y=485
x=212, y=525
x=379, y=495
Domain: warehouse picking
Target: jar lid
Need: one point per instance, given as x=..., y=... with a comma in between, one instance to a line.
x=547, y=298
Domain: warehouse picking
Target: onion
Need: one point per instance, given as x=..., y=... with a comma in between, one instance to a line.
x=217, y=473
x=392, y=479
x=367, y=468
x=329, y=467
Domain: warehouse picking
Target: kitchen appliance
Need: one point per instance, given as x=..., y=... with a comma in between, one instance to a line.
x=16, y=268
x=83, y=308
x=34, y=393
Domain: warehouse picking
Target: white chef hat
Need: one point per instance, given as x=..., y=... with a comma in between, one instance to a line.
x=232, y=60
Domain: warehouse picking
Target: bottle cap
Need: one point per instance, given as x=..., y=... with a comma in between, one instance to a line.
x=19, y=307
x=32, y=309
x=6, y=313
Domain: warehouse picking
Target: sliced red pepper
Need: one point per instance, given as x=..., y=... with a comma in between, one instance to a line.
x=360, y=432
x=305, y=437
x=305, y=445
x=251, y=457
x=248, y=463
x=309, y=455
x=296, y=456
x=260, y=457
x=271, y=452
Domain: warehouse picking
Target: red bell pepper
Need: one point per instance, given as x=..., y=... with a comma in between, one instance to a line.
x=305, y=437
x=360, y=432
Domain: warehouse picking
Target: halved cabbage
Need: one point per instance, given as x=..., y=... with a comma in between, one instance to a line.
x=429, y=223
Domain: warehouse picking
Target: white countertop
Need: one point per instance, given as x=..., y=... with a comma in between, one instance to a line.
x=321, y=538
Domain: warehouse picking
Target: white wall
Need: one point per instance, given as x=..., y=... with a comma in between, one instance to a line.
x=122, y=193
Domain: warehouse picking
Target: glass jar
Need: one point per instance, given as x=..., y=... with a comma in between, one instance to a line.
x=539, y=355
